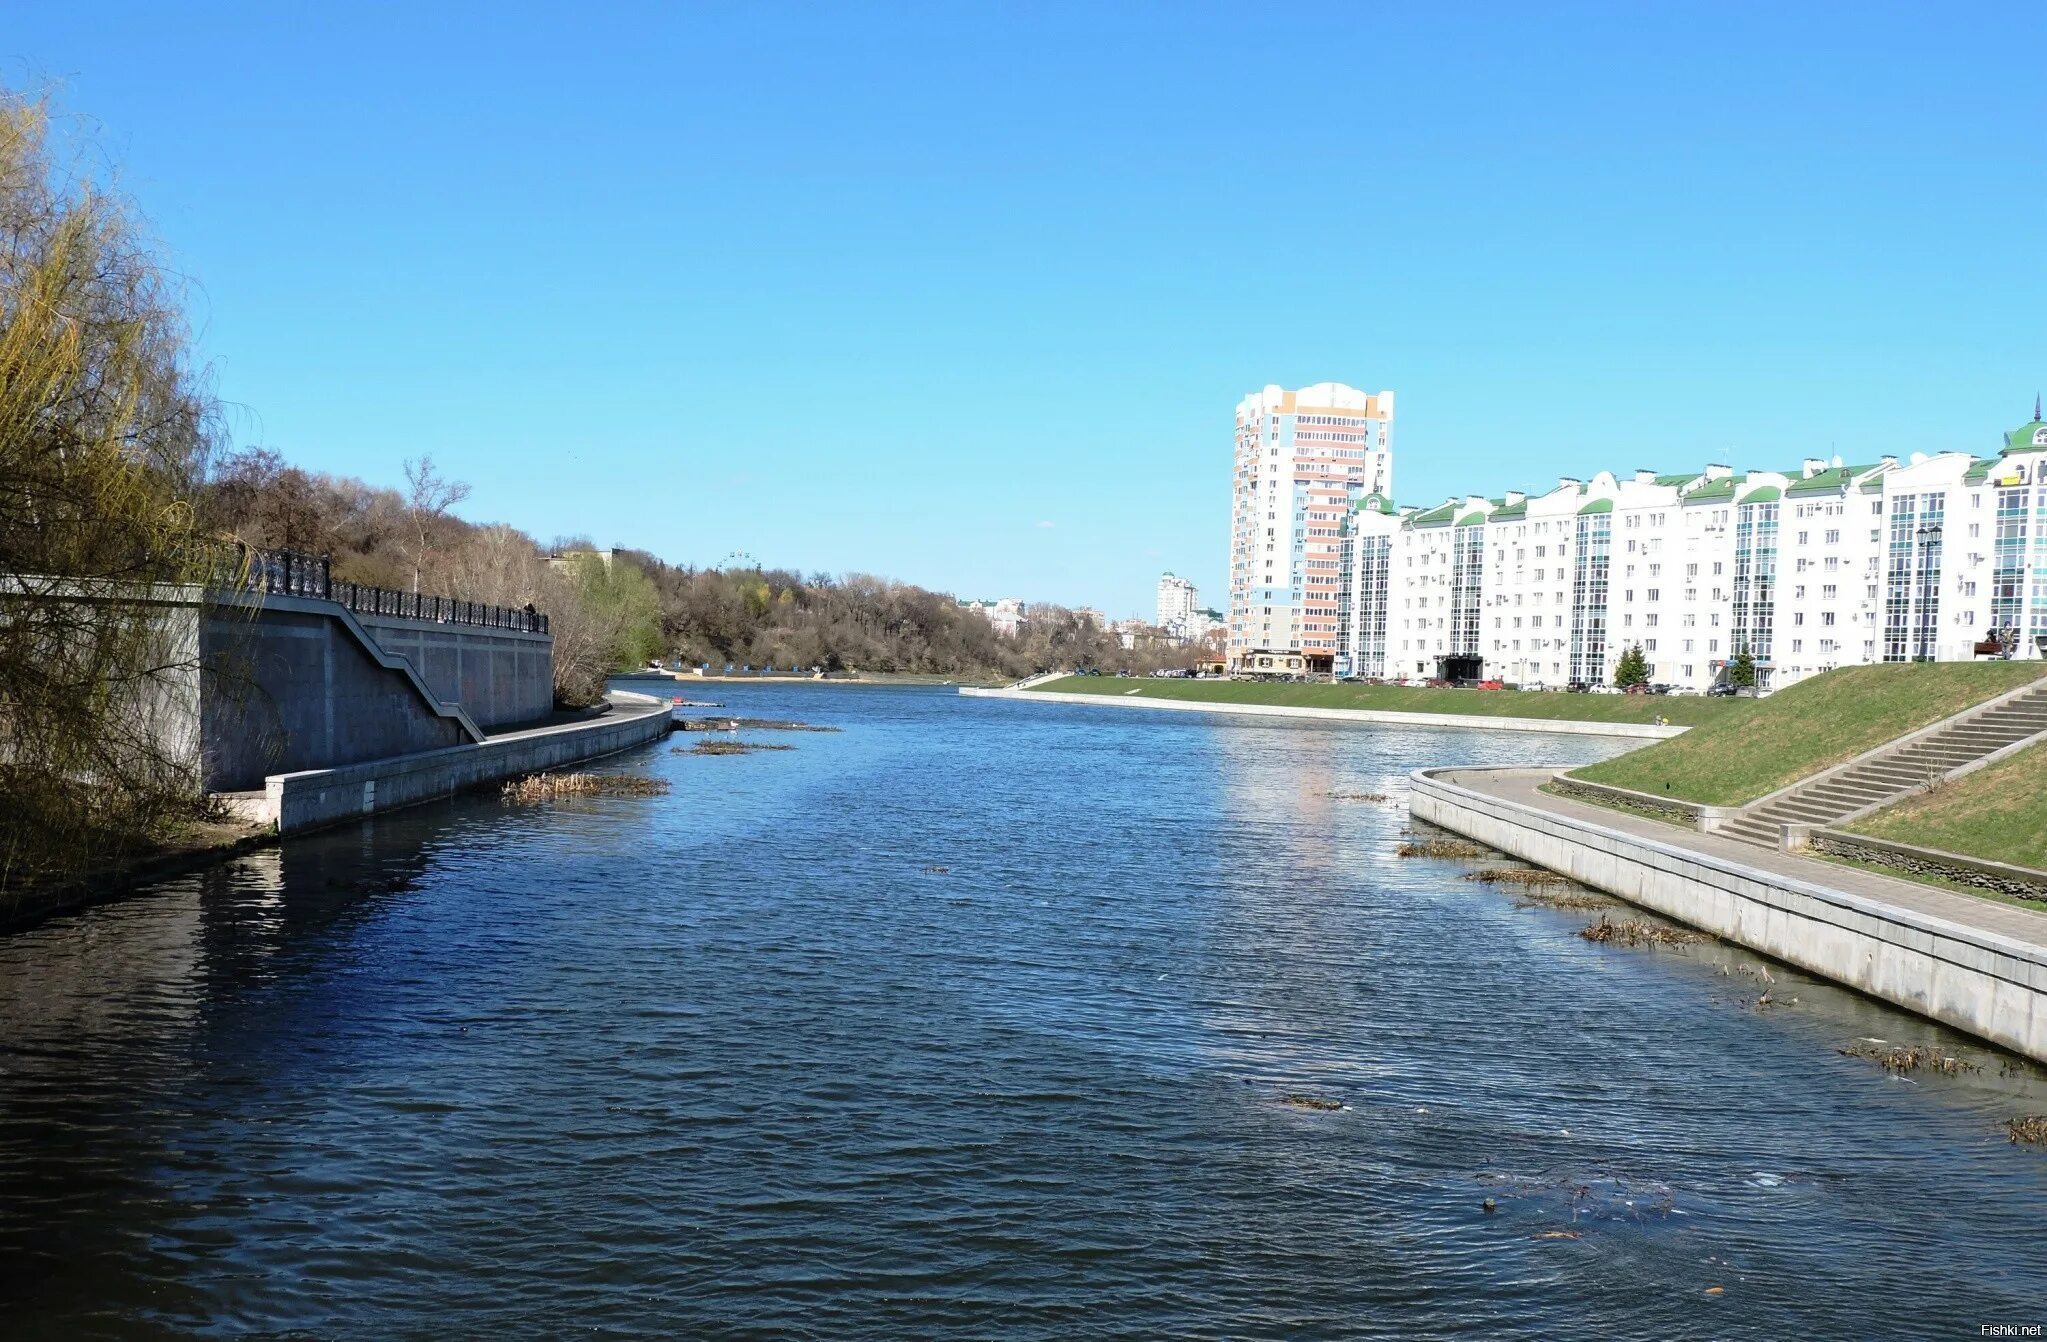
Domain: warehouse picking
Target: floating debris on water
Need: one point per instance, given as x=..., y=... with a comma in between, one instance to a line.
x=727, y=748
x=1900, y=1059
x=1315, y=1102
x=1356, y=796
x=1518, y=876
x=1638, y=932
x=2032, y=1130
x=1561, y=899
x=1440, y=848
x=550, y=787
x=748, y=724
x=1558, y=1234
x=937, y=871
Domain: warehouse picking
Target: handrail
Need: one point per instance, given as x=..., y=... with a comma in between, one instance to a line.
x=293, y=573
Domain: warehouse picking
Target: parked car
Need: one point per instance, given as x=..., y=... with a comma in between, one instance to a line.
x=1660, y=688
x=1722, y=691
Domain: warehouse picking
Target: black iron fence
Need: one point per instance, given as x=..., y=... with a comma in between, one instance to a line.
x=290, y=573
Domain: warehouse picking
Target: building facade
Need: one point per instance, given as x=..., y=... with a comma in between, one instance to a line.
x=1176, y=605
x=1005, y=615
x=1939, y=557
x=1303, y=460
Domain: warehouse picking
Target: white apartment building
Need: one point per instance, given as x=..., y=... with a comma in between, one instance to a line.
x=1006, y=615
x=1933, y=558
x=1303, y=459
x=1176, y=605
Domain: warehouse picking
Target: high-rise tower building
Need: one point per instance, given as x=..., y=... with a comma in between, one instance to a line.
x=1303, y=459
x=1176, y=605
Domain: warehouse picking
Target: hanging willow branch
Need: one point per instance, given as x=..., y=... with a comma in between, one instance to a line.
x=105, y=432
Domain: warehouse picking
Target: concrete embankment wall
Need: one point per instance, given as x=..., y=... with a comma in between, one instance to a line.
x=291, y=687
x=1991, y=986
x=297, y=683
x=501, y=677
x=295, y=802
x=1475, y=721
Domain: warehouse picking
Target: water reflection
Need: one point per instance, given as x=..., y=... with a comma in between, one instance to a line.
x=974, y=1018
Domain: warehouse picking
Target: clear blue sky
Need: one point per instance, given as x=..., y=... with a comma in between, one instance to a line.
x=893, y=287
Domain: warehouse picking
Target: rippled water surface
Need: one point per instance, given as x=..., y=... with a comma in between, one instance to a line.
x=972, y=1019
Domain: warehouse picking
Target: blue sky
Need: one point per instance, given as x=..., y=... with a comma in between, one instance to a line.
x=965, y=294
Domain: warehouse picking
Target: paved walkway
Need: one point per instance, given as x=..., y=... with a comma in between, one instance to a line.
x=1989, y=915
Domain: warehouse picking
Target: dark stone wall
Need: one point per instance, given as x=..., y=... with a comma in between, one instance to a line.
x=291, y=690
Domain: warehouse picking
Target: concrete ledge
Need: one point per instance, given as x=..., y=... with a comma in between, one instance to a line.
x=1992, y=986
x=2000, y=876
x=1381, y=717
x=296, y=802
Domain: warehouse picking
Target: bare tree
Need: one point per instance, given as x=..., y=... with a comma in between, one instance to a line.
x=428, y=496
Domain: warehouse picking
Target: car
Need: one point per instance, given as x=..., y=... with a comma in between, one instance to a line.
x=1722, y=691
x=1661, y=688
x=1605, y=689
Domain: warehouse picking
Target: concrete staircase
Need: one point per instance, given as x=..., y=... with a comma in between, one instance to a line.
x=1894, y=772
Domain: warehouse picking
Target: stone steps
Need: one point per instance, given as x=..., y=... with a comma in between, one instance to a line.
x=1901, y=771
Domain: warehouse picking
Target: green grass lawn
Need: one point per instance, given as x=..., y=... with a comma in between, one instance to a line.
x=1998, y=814
x=1680, y=710
x=1811, y=726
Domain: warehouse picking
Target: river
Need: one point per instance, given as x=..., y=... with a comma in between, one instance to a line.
x=971, y=1019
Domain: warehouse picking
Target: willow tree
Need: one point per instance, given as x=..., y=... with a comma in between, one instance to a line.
x=105, y=429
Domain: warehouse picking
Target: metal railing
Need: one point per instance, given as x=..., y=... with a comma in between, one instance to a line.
x=291, y=573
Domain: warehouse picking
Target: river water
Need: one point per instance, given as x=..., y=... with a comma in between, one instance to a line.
x=972, y=1019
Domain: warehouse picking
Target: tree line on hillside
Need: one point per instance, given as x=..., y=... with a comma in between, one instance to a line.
x=609, y=615
x=774, y=617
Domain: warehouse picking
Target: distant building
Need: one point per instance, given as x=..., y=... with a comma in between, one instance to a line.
x=1303, y=460
x=1005, y=616
x=563, y=557
x=1132, y=632
x=1088, y=615
x=1176, y=605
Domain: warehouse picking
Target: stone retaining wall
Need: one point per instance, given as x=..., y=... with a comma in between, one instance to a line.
x=2007, y=880
x=1678, y=812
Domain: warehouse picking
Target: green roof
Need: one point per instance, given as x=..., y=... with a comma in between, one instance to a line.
x=1474, y=518
x=1767, y=494
x=1507, y=512
x=1978, y=473
x=1678, y=480
x=2022, y=439
x=1434, y=517
x=1597, y=506
x=1828, y=481
x=1375, y=503
x=1716, y=491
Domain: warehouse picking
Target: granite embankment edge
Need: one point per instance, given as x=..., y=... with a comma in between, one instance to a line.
x=1975, y=980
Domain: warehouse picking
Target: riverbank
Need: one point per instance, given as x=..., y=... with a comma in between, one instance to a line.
x=1145, y=694
x=1977, y=965
x=1642, y=709
x=297, y=803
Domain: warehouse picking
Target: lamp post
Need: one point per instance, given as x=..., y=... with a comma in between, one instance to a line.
x=1928, y=536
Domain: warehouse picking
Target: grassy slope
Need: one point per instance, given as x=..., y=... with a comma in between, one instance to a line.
x=1998, y=814
x=1682, y=710
x=1811, y=726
